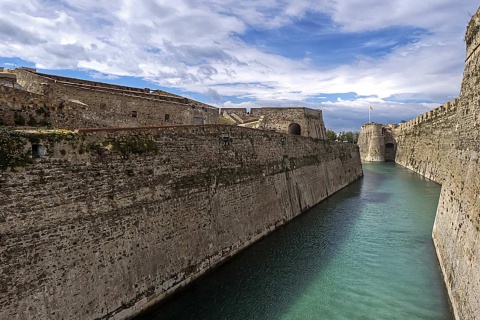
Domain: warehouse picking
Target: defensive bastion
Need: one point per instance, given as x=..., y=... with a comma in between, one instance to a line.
x=443, y=145
x=109, y=217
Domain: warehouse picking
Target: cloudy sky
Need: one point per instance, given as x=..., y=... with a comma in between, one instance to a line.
x=403, y=57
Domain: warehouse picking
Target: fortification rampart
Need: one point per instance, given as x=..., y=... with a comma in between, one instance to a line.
x=424, y=142
x=103, y=223
x=23, y=108
x=112, y=105
x=442, y=145
x=107, y=86
x=18, y=107
x=456, y=231
x=35, y=81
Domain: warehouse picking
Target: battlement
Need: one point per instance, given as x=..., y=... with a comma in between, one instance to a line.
x=449, y=108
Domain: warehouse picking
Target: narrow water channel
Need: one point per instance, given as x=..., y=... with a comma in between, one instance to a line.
x=364, y=253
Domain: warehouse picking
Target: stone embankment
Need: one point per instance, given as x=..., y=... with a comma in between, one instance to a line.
x=101, y=224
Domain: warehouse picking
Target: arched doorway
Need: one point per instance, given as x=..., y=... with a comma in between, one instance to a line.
x=294, y=128
x=390, y=152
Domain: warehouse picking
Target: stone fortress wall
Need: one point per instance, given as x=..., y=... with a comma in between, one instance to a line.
x=293, y=120
x=106, y=220
x=377, y=143
x=425, y=142
x=456, y=232
x=446, y=110
x=443, y=145
x=371, y=142
x=63, y=102
x=303, y=121
x=118, y=106
x=103, y=223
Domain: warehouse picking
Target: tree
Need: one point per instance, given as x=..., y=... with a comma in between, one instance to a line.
x=348, y=136
x=331, y=135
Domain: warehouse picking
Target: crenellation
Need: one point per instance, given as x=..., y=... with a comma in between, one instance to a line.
x=445, y=110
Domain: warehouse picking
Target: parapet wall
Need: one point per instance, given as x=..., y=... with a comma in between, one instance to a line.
x=107, y=222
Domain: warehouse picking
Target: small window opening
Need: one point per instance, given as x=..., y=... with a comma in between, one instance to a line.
x=38, y=151
x=226, y=139
x=134, y=114
x=167, y=117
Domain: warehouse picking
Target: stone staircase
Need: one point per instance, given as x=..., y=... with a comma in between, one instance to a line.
x=246, y=121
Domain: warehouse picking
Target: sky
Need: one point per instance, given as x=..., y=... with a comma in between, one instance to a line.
x=402, y=57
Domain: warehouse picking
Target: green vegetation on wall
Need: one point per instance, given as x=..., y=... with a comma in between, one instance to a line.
x=13, y=150
x=135, y=145
x=16, y=145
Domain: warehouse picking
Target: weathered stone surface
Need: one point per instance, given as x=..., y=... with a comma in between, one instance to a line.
x=425, y=143
x=111, y=221
x=104, y=105
x=443, y=145
x=302, y=121
x=377, y=143
x=371, y=143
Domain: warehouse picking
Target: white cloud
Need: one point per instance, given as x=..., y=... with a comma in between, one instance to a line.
x=194, y=46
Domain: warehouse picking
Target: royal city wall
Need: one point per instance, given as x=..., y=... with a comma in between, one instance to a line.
x=443, y=145
x=105, y=223
x=113, y=106
x=424, y=143
x=23, y=108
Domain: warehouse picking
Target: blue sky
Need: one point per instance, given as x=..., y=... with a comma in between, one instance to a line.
x=403, y=57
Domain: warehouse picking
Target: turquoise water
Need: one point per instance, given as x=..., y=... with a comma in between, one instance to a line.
x=364, y=253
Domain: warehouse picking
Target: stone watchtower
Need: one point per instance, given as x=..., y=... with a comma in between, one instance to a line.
x=376, y=143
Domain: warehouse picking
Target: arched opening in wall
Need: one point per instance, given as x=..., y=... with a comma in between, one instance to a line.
x=38, y=150
x=294, y=128
x=390, y=152
x=167, y=117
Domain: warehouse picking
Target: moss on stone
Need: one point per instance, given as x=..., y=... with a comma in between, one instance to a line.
x=14, y=150
x=135, y=145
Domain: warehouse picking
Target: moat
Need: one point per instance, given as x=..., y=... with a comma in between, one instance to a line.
x=364, y=253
